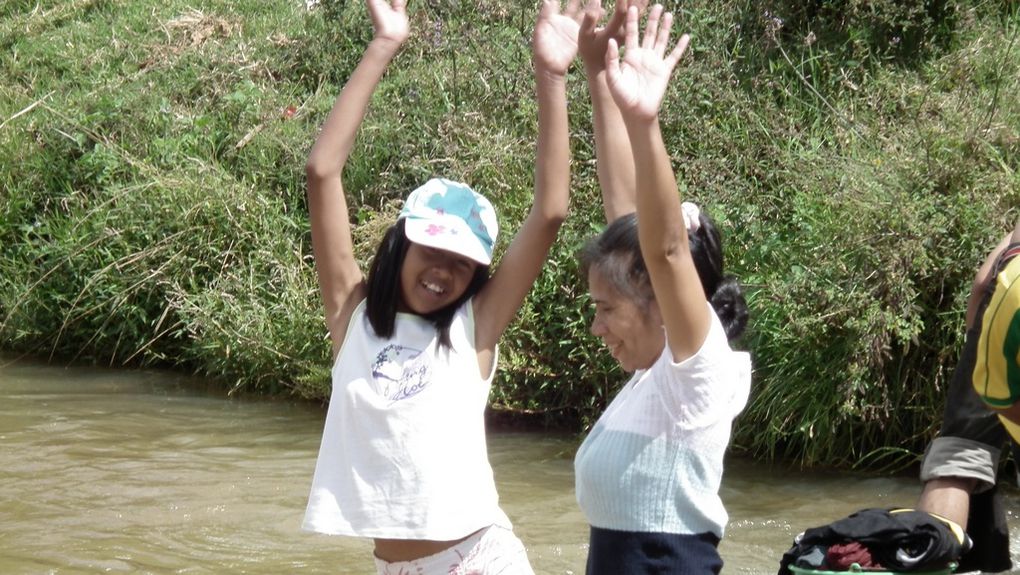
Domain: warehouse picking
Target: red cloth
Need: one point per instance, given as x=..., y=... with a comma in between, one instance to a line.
x=841, y=556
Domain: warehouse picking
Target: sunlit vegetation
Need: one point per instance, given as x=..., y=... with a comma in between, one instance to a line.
x=860, y=157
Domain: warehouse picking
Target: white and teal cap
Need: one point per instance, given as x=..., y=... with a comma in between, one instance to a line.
x=451, y=216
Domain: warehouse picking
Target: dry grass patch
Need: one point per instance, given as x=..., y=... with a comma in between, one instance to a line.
x=194, y=28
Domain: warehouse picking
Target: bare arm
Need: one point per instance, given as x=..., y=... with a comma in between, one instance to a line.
x=615, y=159
x=341, y=282
x=638, y=85
x=948, y=497
x=555, y=46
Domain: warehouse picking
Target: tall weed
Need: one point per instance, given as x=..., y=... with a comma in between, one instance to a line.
x=859, y=157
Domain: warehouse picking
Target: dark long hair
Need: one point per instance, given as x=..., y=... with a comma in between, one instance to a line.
x=384, y=296
x=616, y=253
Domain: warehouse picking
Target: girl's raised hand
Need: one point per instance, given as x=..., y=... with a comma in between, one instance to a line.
x=555, y=39
x=638, y=83
x=389, y=19
x=593, y=39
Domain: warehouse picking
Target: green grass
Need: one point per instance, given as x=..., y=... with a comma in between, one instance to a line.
x=860, y=158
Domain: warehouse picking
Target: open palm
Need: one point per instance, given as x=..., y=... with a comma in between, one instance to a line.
x=389, y=19
x=555, y=39
x=638, y=82
x=593, y=39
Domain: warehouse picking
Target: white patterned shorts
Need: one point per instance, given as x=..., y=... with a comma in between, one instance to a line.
x=493, y=550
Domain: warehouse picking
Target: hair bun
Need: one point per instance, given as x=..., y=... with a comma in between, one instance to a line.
x=731, y=307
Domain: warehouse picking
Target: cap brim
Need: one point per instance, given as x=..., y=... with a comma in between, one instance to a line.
x=454, y=236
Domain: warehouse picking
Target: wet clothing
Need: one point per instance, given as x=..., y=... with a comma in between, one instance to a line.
x=843, y=556
x=653, y=462
x=899, y=540
x=403, y=452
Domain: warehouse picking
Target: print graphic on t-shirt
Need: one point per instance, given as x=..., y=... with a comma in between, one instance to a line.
x=401, y=372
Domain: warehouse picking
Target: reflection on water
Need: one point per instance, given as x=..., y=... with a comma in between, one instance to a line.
x=142, y=472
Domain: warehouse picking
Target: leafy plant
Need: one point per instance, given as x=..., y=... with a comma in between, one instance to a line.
x=860, y=157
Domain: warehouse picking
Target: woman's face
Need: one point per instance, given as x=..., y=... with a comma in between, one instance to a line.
x=431, y=279
x=633, y=335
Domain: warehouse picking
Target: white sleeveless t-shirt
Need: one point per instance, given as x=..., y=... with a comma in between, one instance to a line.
x=403, y=453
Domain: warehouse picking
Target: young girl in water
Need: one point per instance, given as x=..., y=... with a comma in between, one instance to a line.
x=648, y=474
x=403, y=457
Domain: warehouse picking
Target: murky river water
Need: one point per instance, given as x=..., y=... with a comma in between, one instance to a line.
x=115, y=471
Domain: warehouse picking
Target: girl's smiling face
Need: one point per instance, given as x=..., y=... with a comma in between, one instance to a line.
x=431, y=278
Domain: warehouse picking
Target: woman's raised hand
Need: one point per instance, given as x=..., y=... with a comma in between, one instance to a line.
x=389, y=19
x=638, y=82
x=555, y=39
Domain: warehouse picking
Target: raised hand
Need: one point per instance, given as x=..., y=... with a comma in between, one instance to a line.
x=638, y=83
x=555, y=40
x=593, y=39
x=389, y=19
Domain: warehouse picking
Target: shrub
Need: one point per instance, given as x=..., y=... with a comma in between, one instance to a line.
x=860, y=158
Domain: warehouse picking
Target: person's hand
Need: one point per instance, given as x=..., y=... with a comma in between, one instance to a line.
x=555, y=40
x=593, y=39
x=389, y=19
x=638, y=83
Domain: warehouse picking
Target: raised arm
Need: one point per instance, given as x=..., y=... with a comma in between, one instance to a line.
x=614, y=157
x=638, y=85
x=554, y=47
x=340, y=279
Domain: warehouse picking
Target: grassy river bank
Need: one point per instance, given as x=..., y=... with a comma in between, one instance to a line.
x=860, y=157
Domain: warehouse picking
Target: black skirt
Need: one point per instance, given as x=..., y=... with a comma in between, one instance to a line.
x=633, y=553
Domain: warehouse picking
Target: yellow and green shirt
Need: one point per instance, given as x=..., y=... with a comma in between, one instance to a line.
x=997, y=370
